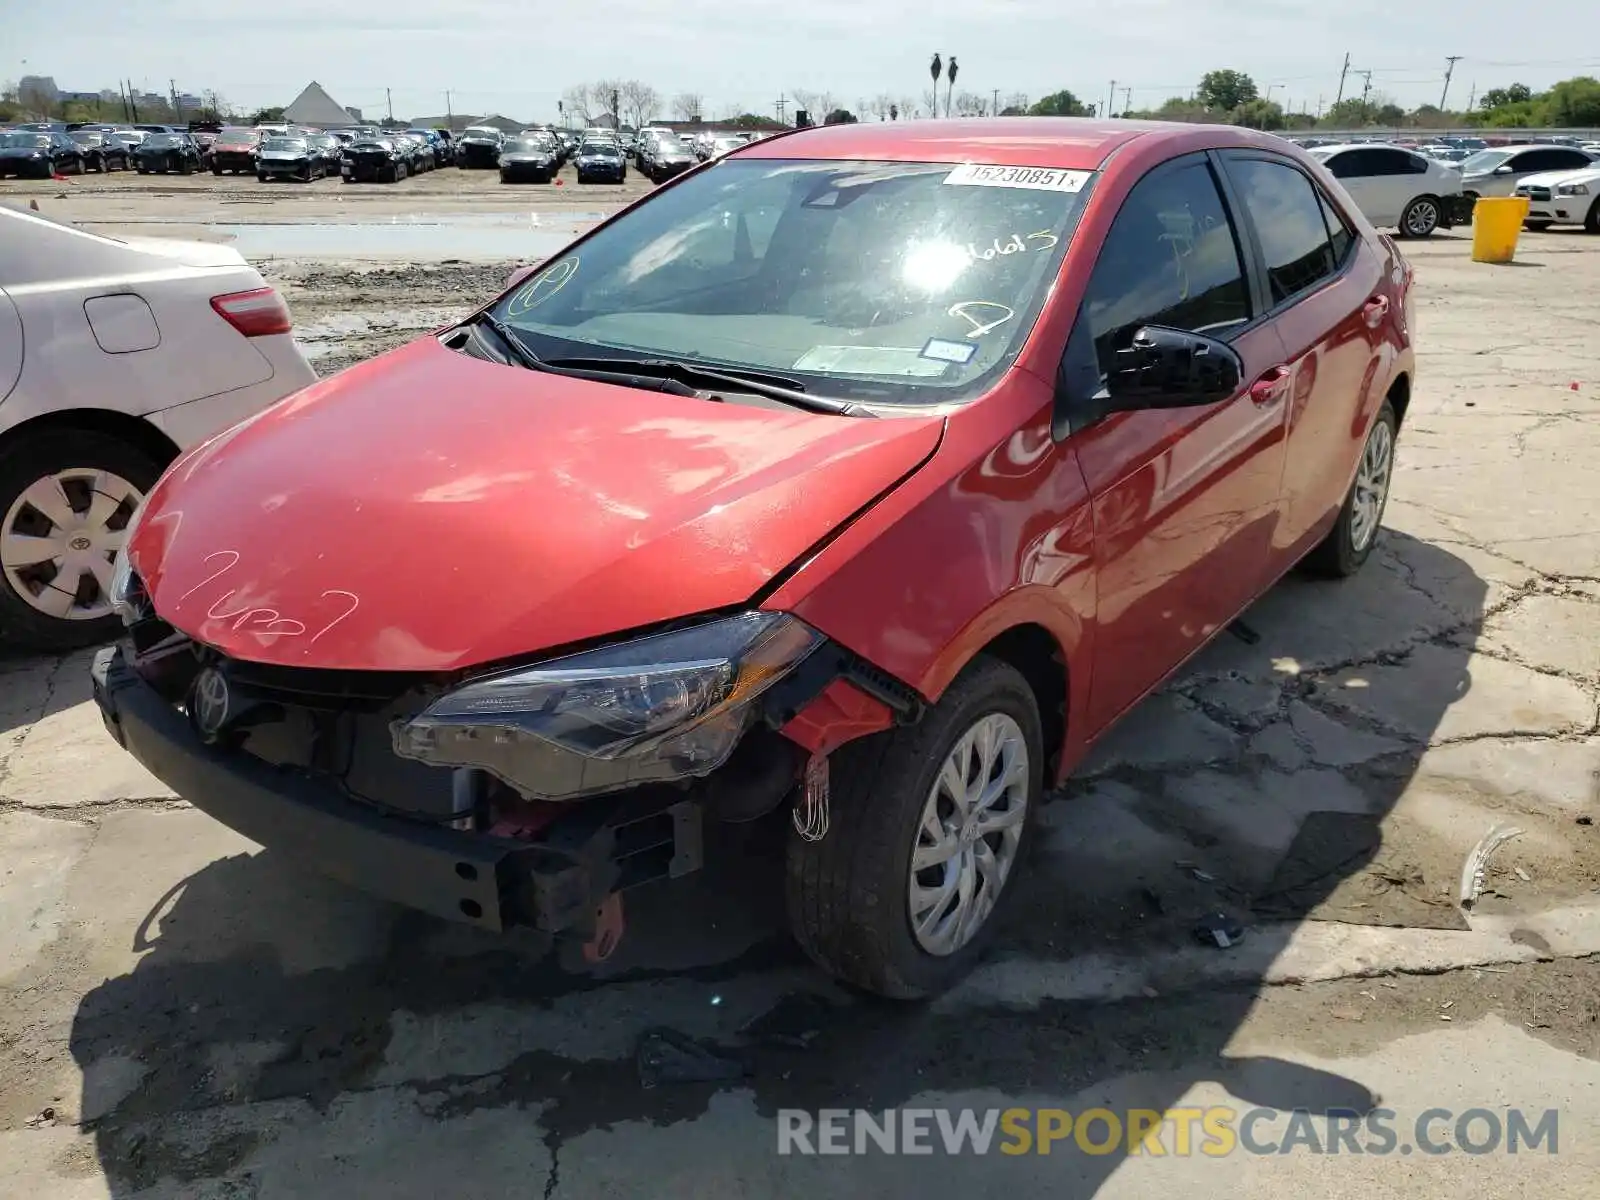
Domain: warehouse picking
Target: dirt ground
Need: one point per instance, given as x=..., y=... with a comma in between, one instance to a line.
x=182, y=1015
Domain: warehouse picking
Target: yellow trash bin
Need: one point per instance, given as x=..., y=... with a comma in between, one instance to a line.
x=1496, y=222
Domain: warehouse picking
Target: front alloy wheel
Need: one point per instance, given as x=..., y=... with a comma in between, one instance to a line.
x=970, y=831
x=927, y=825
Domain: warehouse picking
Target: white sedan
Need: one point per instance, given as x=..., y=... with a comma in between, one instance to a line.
x=1395, y=188
x=115, y=356
x=1563, y=198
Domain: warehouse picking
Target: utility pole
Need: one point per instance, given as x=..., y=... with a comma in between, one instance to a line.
x=1366, y=84
x=1343, y=71
x=388, y=102
x=1472, y=95
x=1449, y=70
x=1127, y=99
x=172, y=90
x=126, y=115
x=1319, y=106
x=450, y=113
x=1111, y=97
x=994, y=109
x=779, y=106
x=133, y=100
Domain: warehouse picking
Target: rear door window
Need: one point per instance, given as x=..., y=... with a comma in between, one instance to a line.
x=1286, y=212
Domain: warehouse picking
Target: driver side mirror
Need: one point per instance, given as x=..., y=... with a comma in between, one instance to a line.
x=1170, y=368
x=1503, y=169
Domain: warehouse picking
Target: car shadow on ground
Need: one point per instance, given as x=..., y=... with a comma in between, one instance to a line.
x=274, y=1013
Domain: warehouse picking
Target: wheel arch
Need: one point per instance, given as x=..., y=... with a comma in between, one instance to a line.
x=1399, y=396
x=1035, y=653
x=136, y=431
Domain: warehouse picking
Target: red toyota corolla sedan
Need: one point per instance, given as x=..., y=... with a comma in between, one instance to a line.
x=857, y=480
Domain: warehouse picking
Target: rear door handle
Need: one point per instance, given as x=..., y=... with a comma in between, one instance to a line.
x=1269, y=389
x=1375, y=310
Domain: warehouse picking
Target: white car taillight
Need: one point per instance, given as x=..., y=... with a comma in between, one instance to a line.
x=256, y=313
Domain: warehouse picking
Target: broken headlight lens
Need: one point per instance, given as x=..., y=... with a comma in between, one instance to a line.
x=667, y=706
x=127, y=594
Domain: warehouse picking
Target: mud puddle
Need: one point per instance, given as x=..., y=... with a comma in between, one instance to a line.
x=417, y=237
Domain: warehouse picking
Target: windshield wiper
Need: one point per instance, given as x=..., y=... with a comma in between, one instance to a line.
x=757, y=383
x=523, y=355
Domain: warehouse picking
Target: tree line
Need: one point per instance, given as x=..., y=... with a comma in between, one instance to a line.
x=1226, y=95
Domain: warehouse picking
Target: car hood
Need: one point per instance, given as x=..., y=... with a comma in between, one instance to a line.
x=430, y=511
x=1552, y=179
x=286, y=154
x=234, y=147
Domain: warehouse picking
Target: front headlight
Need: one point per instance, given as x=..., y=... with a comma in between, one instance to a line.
x=128, y=599
x=1573, y=189
x=668, y=706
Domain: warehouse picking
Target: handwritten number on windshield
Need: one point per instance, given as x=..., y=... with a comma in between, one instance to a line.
x=542, y=286
x=997, y=314
x=1014, y=244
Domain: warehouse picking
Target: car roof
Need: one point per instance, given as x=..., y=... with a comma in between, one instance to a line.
x=1065, y=143
x=1362, y=146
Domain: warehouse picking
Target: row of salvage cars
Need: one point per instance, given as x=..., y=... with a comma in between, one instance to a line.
x=360, y=155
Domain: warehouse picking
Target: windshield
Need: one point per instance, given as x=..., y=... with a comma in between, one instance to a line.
x=158, y=140
x=603, y=149
x=481, y=133
x=29, y=140
x=1484, y=160
x=88, y=139
x=527, y=146
x=283, y=144
x=876, y=281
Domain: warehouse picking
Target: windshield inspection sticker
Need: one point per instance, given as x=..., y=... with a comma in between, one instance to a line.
x=868, y=360
x=1038, y=179
x=955, y=352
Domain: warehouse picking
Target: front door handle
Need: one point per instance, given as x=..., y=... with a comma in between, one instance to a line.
x=1269, y=389
x=1375, y=310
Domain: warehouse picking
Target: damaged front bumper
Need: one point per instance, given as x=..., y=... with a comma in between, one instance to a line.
x=467, y=847
x=555, y=884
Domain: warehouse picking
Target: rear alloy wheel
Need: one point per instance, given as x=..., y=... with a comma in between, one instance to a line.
x=928, y=824
x=67, y=497
x=1421, y=217
x=1355, y=532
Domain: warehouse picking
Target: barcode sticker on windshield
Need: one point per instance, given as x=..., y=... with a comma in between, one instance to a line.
x=1039, y=179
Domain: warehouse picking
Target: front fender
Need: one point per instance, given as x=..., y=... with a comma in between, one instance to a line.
x=996, y=531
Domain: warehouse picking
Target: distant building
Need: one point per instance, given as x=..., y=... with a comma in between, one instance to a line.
x=355, y=114
x=503, y=124
x=454, y=122
x=314, y=106
x=38, y=89
x=190, y=100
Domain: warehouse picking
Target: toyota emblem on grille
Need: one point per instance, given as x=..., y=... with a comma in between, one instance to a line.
x=209, y=706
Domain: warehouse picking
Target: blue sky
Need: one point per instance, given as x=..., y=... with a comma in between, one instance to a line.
x=518, y=59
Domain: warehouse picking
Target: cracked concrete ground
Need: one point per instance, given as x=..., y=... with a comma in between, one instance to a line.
x=185, y=1016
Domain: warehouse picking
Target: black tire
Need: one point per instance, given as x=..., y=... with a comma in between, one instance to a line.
x=1336, y=556
x=216, y=171
x=1415, y=221
x=847, y=894
x=1537, y=226
x=261, y=177
x=142, y=169
x=1591, y=222
x=30, y=459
